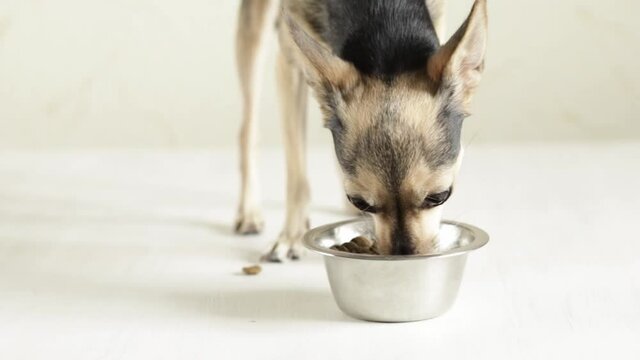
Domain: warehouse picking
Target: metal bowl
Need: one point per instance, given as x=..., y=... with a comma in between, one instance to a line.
x=394, y=288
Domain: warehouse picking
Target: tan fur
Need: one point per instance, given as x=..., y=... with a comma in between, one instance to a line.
x=414, y=100
x=419, y=109
x=423, y=224
x=460, y=61
x=415, y=107
x=409, y=96
x=323, y=70
x=254, y=18
x=292, y=91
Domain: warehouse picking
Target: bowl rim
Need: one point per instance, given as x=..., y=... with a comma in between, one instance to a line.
x=481, y=238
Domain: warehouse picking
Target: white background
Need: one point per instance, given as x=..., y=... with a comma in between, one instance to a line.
x=161, y=73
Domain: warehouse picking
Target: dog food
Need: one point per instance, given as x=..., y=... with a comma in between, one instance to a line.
x=252, y=270
x=358, y=245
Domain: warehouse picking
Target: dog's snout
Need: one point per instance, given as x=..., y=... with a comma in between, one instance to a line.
x=402, y=250
x=401, y=242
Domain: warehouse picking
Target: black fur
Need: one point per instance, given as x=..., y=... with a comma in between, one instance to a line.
x=381, y=37
x=401, y=241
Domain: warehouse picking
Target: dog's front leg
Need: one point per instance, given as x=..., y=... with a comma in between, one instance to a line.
x=255, y=20
x=293, y=100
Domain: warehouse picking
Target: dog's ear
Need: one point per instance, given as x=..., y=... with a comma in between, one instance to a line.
x=457, y=65
x=324, y=69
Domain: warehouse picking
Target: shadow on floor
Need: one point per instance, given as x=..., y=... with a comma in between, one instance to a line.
x=61, y=272
x=48, y=209
x=278, y=304
x=62, y=294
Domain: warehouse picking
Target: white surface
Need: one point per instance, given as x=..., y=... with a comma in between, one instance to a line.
x=129, y=255
x=95, y=73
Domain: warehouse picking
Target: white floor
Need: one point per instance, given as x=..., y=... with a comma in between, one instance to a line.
x=129, y=255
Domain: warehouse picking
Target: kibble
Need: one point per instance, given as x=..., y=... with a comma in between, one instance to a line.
x=252, y=270
x=358, y=245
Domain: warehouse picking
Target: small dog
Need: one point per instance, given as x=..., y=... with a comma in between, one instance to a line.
x=393, y=98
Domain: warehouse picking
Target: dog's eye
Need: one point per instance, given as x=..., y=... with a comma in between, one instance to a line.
x=433, y=200
x=361, y=204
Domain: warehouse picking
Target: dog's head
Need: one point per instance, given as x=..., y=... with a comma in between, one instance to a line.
x=398, y=139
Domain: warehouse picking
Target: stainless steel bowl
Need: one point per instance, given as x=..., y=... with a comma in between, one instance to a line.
x=394, y=288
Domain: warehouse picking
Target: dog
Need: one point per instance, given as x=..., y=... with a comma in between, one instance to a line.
x=393, y=97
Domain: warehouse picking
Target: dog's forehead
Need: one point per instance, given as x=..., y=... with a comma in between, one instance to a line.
x=403, y=98
x=391, y=128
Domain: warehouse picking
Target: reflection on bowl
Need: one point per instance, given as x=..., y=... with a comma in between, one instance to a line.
x=394, y=288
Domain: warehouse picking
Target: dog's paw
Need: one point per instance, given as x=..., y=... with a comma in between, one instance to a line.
x=296, y=251
x=293, y=254
x=289, y=243
x=249, y=223
x=275, y=254
x=279, y=252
